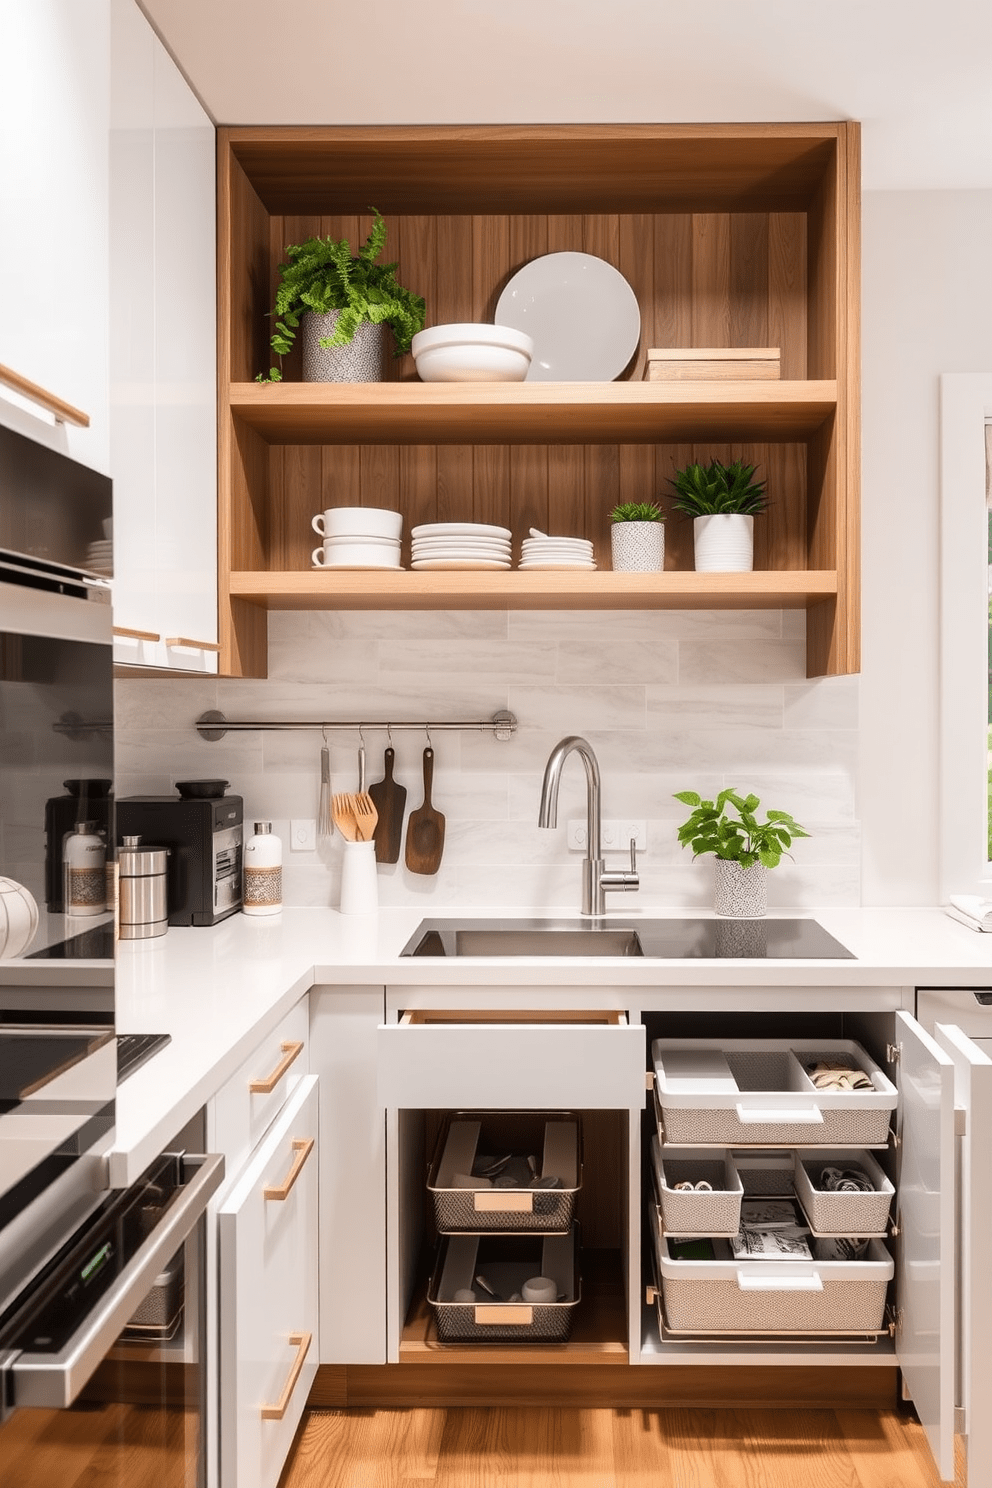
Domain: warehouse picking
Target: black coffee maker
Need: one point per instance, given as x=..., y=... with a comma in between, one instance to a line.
x=86, y=801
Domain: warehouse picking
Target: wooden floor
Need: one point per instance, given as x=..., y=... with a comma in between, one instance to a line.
x=586, y=1448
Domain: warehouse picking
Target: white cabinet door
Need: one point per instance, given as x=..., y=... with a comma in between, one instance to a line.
x=269, y=1330
x=926, y=1250
x=973, y=1095
x=163, y=357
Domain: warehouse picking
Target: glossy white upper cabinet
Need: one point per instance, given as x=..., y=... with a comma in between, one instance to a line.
x=54, y=285
x=162, y=356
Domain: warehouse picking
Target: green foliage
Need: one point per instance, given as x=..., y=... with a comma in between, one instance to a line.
x=705, y=490
x=323, y=275
x=744, y=840
x=637, y=511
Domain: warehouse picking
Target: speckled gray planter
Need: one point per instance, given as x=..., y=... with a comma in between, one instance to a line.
x=360, y=361
x=740, y=892
x=637, y=547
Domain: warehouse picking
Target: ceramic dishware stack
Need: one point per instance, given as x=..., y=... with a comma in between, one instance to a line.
x=440, y=545
x=357, y=537
x=100, y=557
x=541, y=552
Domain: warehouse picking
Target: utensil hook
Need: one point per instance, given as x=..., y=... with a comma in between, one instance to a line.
x=323, y=733
x=427, y=731
x=389, y=735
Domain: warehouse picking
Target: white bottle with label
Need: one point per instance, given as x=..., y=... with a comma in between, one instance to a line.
x=84, y=865
x=263, y=872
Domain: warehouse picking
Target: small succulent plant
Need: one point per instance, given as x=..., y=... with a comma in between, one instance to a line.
x=637, y=511
x=719, y=490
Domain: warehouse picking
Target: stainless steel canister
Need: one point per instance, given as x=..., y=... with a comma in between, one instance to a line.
x=144, y=909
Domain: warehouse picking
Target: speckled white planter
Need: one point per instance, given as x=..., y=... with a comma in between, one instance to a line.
x=360, y=361
x=740, y=892
x=638, y=547
x=724, y=543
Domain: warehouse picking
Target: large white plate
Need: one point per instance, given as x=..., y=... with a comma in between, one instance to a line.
x=532, y=565
x=580, y=312
x=459, y=529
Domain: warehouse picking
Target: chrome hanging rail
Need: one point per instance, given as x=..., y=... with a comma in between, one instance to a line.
x=213, y=725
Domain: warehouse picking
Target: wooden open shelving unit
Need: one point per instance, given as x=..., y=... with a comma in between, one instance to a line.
x=730, y=235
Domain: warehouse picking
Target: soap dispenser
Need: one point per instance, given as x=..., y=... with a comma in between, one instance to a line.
x=263, y=872
x=84, y=866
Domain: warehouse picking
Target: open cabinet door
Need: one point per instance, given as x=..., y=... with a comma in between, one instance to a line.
x=926, y=1247
x=973, y=1093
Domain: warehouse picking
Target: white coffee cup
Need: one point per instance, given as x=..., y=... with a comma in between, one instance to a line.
x=359, y=881
x=356, y=553
x=539, y=1289
x=358, y=521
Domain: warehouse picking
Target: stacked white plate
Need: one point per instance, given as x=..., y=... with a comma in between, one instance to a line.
x=538, y=551
x=100, y=557
x=358, y=552
x=460, y=545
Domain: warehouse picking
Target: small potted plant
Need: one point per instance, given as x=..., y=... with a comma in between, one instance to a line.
x=345, y=301
x=637, y=537
x=723, y=500
x=744, y=847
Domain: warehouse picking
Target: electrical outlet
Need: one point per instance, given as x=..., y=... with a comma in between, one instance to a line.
x=616, y=835
x=303, y=836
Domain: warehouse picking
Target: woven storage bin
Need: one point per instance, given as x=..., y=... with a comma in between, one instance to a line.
x=552, y=1137
x=692, y=1213
x=756, y=1092
x=506, y=1262
x=828, y=1213
x=728, y=1296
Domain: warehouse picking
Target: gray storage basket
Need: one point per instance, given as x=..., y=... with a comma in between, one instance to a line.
x=552, y=1136
x=693, y=1213
x=506, y=1262
x=861, y=1214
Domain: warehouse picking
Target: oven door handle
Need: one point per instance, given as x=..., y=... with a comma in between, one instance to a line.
x=55, y=1380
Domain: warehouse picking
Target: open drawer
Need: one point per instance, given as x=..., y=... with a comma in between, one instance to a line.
x=506, y=1059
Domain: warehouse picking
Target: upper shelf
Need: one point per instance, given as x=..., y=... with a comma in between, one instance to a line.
x=532, y=412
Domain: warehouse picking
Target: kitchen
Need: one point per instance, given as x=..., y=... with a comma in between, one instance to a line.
x=665, y=684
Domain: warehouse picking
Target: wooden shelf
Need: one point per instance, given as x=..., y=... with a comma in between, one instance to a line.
x=513, y=590
x=522, y=412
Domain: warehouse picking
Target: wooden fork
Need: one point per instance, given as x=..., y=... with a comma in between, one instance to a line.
x=343, y=812
x=365, y=815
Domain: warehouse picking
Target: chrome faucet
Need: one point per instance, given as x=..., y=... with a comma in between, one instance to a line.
x=596, y=879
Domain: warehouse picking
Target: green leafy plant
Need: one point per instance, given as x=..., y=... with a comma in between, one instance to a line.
x=323, y=275
x=741, y=839
x=718, y=489
x=637, y=511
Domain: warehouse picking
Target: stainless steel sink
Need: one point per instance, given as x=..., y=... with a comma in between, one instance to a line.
x=667, y=939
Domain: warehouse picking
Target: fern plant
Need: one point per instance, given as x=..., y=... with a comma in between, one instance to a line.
x=718, y=489
x=323, y=275
x=710, y=829
x=637, y=511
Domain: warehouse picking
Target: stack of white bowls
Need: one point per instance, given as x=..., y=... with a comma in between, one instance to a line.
x=460, y=545
x=100, y=557
x=541, y=551
x=357, y=537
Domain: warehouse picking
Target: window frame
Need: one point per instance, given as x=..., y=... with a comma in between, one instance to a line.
x=965, y=409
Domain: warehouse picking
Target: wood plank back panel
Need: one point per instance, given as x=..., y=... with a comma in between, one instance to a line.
x=567, y=489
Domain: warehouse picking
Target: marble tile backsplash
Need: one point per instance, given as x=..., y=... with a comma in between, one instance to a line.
x=670, y=700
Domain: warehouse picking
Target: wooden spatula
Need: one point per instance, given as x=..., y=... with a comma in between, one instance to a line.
x=366, y=816
x=389, y=799
x=425, y=829
x=344, y=817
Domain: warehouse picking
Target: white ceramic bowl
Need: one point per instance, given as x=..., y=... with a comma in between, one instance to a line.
x=466, y=352
x=358, y=521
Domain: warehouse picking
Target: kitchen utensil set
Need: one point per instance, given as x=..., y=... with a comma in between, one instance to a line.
x=376, y=815
x=354, y=816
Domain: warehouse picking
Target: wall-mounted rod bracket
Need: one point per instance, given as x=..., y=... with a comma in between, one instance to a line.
x=213, y=725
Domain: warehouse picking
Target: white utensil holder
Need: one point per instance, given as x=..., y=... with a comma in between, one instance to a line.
x=359, y=882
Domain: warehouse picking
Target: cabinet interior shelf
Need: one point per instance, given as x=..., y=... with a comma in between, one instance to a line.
x=513, y=590
x=522, y=412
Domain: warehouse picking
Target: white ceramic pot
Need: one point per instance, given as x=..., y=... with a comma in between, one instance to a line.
x=740, y=892
x=18, y=918
x=724, y=543
x=360, y=361
x=638, y=547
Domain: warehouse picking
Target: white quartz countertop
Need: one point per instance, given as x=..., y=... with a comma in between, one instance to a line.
x=219, y=991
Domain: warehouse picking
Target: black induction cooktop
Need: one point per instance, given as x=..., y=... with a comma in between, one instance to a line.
x=93, y=944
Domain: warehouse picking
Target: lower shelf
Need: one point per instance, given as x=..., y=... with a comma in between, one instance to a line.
x=403, y=589
x=599, y=1335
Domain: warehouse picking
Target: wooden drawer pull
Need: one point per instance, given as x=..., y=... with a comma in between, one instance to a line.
x=282, y=1190
x=136, y=635
x=193, y=645
x=266, y=1086
x=64, y=412
x=301, y=1342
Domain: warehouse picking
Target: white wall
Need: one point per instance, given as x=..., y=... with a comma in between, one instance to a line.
x=927, y=309
x=54, y=276
x=670, y=701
